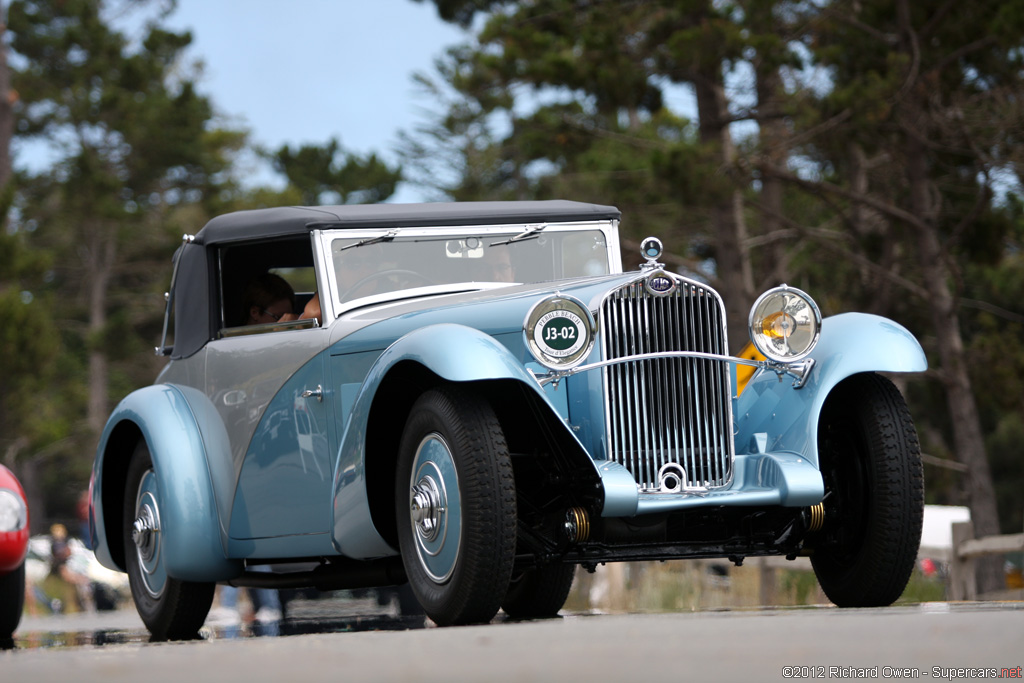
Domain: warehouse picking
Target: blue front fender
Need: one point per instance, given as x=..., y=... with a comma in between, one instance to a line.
x=185, y=437
x=773, y=416
x=456, y=353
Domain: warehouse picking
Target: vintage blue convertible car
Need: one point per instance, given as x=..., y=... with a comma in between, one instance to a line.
x=477, y=400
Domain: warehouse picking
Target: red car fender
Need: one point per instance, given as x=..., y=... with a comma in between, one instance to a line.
x=13, y=543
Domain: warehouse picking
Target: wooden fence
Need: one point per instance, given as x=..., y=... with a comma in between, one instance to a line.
x=962, y=582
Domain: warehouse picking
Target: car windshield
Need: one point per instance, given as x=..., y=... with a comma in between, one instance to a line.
x=389, y=261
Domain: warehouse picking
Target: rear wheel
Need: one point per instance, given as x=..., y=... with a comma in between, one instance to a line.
x=170, y=608
x=871, y=462
x=12, y=601
x=538, y=593
x=456, y=506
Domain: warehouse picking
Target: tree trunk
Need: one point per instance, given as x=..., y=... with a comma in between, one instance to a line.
x=99, y=267
x=735, y=276
x=772, y=137
x=963, y=411
x=6, y=105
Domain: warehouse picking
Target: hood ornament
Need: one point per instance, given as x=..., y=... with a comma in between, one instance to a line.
x=651, y=249
x=657, y=281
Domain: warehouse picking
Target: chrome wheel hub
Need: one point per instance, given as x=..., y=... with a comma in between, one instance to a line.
x=427, y=508
x=146, y=536
x=435, y=513
x=144, y=533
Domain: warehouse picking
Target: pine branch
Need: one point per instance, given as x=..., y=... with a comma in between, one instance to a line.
x=967, y=49
x=865, y=199
x=993, y=309
x=830, y=238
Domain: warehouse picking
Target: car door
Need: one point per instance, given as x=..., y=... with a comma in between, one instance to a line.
x=268, y=389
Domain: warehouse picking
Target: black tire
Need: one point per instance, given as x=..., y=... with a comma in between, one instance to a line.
x=171, y=609
x=874, y=484
x=538, y=593
x=12, y=601
x=453, y=455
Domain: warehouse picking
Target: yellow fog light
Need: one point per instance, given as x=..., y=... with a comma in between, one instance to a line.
x=785, y=324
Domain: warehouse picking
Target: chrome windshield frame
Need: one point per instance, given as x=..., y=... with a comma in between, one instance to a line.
x=327, y=276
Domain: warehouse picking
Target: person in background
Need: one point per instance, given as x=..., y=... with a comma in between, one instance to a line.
x=66, y=590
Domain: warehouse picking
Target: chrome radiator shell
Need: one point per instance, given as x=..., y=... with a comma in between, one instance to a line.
x=668, y=420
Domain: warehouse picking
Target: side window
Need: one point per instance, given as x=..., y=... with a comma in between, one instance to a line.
x=264, y=286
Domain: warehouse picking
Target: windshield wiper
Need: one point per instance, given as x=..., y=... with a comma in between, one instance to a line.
x=387, y=237
x=530, y=233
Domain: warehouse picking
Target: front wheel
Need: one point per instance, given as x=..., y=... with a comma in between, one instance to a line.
x=456, y=506
x=171, y=609
x=874, y=506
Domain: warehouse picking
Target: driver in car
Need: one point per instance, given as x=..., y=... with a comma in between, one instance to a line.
x=268, y=299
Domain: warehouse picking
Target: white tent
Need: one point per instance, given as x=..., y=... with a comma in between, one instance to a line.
x=937, y=532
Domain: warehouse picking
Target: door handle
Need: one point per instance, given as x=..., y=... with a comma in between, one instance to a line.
x=318, y=393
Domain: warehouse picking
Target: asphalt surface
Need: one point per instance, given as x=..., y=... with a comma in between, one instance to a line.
x=931, y=641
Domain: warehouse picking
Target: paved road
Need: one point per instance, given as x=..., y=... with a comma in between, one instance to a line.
x=938, y=640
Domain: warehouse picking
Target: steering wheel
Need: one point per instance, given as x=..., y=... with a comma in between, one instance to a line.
x=351, y=293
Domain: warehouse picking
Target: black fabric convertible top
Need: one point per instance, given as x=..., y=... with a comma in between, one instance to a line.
x=193, y=316
x=196, y=321
x=293, y=220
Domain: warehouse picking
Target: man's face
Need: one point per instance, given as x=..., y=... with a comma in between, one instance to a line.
x=272, y=313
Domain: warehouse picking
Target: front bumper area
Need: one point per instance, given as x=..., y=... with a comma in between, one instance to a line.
x=760, y=479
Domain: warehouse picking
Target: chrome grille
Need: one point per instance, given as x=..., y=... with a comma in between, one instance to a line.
x=668, y=419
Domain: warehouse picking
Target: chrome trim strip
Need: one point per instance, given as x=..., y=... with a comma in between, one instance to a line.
x=246, y=330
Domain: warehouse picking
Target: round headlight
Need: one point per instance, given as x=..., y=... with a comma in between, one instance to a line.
x=12, y=511
x=559, y=331
x=785, y=324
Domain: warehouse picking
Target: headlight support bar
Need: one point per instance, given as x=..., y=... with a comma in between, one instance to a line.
x=799, y=370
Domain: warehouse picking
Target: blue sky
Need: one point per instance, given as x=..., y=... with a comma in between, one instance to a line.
x=307, y=70
x=304, y=71
x=301, y=71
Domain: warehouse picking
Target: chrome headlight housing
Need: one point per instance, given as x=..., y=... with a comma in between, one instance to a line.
x=13, y=513
x=785, y=324
x=559, y=331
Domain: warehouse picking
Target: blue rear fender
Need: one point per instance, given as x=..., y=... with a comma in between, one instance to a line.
x=451, y=352
x=773, y=417
x=191, y=458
